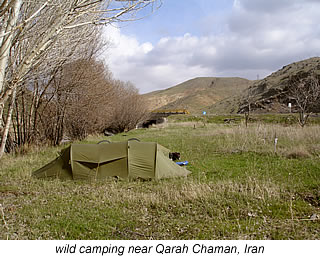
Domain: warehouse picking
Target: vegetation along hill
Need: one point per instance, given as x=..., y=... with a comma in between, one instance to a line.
x=233, y=95
x=196, y=94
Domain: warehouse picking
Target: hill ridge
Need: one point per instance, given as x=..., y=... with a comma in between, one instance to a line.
x=229, y=94
x=271, y=93
x=196, y=94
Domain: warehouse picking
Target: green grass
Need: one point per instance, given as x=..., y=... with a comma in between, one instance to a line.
x=282, y=119
x=241, y=187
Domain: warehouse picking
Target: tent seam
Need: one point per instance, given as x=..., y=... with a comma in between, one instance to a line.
x=155, y=162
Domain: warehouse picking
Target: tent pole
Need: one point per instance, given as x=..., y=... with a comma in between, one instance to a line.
x=97, y=170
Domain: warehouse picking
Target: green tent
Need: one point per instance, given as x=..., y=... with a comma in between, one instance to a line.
x=131, y=159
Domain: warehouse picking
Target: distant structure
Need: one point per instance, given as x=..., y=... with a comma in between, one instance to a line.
x=159, y=116
x=169, y=112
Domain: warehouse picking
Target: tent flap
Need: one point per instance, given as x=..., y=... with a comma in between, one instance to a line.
x=141, y=159
x=58, y=168
x=96, y=161
x=165, y=168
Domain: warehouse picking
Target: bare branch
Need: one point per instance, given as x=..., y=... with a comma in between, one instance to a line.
x=305, y=92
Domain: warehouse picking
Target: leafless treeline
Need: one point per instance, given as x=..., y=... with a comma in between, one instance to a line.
x=81, y=98
x=50, y=82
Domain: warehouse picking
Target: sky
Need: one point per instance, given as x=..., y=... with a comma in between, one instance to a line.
x=185, y=39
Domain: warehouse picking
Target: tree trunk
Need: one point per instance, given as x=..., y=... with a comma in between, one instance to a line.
x=8, y=123
x=7, y=41
x=5, y=47
x=303, y=118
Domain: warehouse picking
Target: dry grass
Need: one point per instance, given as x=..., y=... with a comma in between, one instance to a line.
x=240, y=188
x=261, y=138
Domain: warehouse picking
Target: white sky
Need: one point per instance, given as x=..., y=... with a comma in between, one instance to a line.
x=194, y=38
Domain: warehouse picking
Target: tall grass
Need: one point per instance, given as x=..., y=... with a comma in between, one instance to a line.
x=241, y=187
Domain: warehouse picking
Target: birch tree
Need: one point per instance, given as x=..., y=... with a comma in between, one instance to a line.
x=32, y=31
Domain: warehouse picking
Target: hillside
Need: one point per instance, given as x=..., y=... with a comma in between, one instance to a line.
x=230, y=95
x=196, y=94
x=271, y=93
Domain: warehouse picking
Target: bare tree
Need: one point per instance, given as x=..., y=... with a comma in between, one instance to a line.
x=90, y=98
x=86, y=100
x=129, y=110
x=31, y=31
x=305, y=92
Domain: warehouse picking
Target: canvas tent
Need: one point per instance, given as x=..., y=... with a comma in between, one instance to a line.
x=130, y=159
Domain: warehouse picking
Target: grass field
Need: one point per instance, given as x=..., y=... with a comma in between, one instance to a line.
x=242, y=186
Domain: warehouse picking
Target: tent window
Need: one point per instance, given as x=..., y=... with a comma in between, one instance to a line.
x=92, y=165
x=89, y=165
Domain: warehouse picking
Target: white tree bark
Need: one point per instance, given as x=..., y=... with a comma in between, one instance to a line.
x=5, y=44
x=6, y=41
x=8, y=123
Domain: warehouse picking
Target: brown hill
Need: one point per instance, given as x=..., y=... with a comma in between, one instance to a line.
x=196, y=94
x=270, y=94
x=232, y=95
